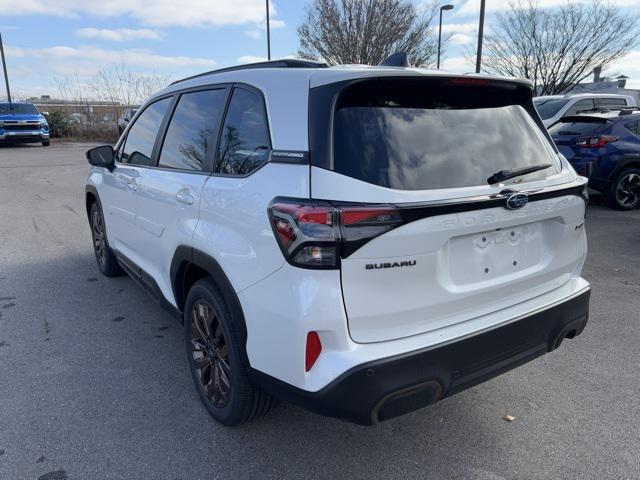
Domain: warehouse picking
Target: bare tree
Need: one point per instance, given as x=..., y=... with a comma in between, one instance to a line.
x=557, y=48
x=368, y=31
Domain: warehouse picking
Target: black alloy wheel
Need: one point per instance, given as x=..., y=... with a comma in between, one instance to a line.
x=210, y=353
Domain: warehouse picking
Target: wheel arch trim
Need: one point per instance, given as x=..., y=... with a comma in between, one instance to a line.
x=183, y=258
x=624, y=162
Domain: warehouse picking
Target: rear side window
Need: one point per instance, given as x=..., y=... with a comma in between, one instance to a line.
x=585, y=127
x=633, y=127
x=192, y=129
x=244, y=141
x=138, y=146
x=611, y=102
x=580, y=106
x=412, y=137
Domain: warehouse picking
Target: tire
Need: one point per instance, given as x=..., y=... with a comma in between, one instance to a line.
x=624, y=192
x=45, y=143
x=105, y=258
x=215, y=345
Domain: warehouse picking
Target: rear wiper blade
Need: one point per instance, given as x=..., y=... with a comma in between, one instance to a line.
x=515, y=172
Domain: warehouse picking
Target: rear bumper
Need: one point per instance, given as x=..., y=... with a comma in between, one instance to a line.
x=389, y=387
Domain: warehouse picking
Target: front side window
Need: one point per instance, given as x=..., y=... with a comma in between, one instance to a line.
x=547, y=108
x=142, y=135
x=244, y=142
x=192, y=130
x=404, y=136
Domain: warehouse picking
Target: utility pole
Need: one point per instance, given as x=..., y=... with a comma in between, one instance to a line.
x=480, y=33
x=6, y=77
x=268, y=34
x=444, y=7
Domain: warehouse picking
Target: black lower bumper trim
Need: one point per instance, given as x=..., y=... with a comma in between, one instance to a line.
x=393, y=386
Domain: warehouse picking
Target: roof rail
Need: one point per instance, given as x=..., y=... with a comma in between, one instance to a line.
x=283, y=63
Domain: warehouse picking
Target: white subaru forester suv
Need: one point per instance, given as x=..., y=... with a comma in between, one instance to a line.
x=362, y=241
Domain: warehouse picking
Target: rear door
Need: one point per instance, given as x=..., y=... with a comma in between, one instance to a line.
x=169, y=194
x=428, y=148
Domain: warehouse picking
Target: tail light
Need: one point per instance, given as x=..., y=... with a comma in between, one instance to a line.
x=596, y=142
x=316, y=234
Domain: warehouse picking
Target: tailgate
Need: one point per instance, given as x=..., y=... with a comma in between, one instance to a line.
x=447, y=269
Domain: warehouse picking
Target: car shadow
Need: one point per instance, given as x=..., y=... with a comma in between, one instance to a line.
x=112, y=342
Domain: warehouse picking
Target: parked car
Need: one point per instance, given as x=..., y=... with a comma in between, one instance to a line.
x=553, y=107
x=605, y=147
x=125, y=118
x=21, y=122
x=329, y=236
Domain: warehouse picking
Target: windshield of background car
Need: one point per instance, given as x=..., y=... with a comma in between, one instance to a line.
x=404, y=136
x=18, y=109
x=548, y=108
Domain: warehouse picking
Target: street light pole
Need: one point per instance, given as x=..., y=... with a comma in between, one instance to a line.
x=480, y=33
x=444, y=7
x=6, y=77
x=268, y=34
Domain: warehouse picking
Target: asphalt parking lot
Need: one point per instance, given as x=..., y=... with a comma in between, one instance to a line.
x=94, y=382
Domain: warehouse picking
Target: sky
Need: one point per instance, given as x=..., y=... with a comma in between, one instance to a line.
x=48, y=40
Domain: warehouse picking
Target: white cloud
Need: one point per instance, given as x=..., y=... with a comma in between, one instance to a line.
x=470, y=27
x=628, y=65
x=457, y=65
x=185, y=13
x=251, y=59
x=88, y=60
x=120, y=34
x=461, y=39
x=254, y=33
x=472, y=7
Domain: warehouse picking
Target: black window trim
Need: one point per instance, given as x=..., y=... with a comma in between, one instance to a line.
x=162, y=132
x=250, y=88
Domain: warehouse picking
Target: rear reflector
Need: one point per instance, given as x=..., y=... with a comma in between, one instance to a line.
x=314, y=347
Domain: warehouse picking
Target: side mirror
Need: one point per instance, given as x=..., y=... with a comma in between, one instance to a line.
x=103, y=156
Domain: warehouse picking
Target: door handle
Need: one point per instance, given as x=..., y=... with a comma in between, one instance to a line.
x=183, y=196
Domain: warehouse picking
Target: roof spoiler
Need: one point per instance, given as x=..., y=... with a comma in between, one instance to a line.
x=398, y=59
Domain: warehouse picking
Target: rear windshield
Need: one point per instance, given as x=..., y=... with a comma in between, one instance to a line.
x=411, y=138
x=584, y=127
x=18, y=108
x=547, y=108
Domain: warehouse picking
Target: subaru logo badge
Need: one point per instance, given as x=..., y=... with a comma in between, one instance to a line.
x=517, y=200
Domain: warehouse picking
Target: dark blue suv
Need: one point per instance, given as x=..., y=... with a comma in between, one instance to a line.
x=21, y=122
x=605, y=147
